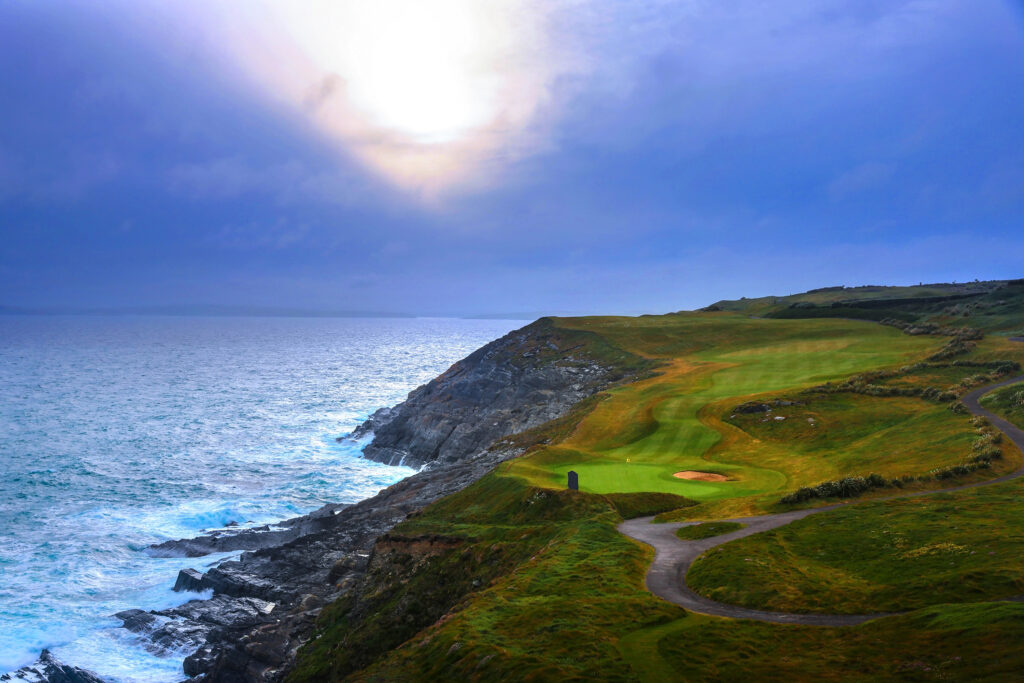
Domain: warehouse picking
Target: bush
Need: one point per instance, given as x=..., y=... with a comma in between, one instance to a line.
x=876, y=481
x=848, y=487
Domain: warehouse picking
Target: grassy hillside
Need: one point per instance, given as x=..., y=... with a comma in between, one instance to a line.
x=878, y=557
x=572, y=607
x=534, y=582
x=516, y=578
x=994, y=305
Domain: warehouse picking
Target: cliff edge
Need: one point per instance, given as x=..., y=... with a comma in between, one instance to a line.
x=526, y=378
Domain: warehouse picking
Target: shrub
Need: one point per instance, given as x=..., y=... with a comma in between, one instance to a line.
x=848, y=487
x=876, y=480
x=988, y=455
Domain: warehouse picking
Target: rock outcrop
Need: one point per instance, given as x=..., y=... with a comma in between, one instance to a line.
x=520, y=381
x=227, y=540
x=48, y=669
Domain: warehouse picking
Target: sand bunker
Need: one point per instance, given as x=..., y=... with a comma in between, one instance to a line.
x=700, y=476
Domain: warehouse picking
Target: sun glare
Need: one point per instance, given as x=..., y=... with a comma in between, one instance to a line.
x=425, y=93
x=426, y=70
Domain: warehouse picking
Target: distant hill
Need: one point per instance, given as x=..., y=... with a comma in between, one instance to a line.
x=994, y=305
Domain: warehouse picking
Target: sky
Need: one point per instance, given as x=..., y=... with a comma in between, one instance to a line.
x=463, y=157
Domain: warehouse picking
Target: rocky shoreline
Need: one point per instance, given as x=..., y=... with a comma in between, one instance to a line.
x=49, y=669
x=265, y=603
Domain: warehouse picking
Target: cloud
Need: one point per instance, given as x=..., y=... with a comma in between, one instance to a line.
x=426, y=95
x=803, y=140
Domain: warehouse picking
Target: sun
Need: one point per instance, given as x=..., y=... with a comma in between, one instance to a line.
x=423, y=69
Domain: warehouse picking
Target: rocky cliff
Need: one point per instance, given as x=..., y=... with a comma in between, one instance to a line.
x=520, y=381
x=265, y=603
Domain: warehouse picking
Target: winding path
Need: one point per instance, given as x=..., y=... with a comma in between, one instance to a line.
x=673, y=556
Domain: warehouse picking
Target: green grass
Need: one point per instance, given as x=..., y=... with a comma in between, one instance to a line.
x=643, y=433
x=435, y=562
x=941, y=377
x=571, y=606
x=707, y=530
x=877, y=557
x=844, y=434
x=1007, y=402
x=947, y=643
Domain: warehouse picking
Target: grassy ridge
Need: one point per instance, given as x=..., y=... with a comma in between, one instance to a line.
x=994, y=305
x=538, y=582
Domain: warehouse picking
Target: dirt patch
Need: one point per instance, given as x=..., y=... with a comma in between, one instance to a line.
x=694, y=475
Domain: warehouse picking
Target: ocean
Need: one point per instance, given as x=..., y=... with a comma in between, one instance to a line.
x=120, y=432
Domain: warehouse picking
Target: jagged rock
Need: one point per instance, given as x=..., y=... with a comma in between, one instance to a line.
x=137, y=620
x=248, y=539
x=354, y=563
x=200, y=661
x=189, y=580
x=189, y=626
x=49, y=669
x=376, y=421
x=520, y=381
